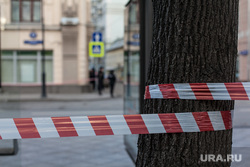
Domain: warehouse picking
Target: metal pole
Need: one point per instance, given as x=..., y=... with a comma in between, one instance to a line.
x=44, y=94
x=0, y=49
x=146, y=30
x=142, y=5
x=248, y=45
x=128, y=50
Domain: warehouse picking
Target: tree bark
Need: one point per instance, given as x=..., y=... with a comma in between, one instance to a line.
x=194, y=41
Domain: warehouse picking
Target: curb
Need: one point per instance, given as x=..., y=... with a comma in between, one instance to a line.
x=56, y=99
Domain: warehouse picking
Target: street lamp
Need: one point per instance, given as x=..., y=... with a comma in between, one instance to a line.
x=44, y=94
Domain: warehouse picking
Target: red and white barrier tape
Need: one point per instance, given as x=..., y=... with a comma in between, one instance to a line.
x=55, y=127
x=199, y=91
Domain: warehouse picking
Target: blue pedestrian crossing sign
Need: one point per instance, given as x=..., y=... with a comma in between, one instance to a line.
x=96, y=49
x=97, y=37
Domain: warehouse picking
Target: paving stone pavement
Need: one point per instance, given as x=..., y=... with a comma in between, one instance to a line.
x=104, y=151
x=100, y=151
x=54, y=97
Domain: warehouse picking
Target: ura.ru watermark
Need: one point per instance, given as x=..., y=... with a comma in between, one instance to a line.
x=221, y=158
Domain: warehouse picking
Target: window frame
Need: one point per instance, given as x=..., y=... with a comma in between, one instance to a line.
x=31, y=11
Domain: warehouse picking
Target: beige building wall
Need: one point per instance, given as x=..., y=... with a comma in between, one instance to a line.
x=82, y=43
x=14, y=35
x=14, y=40
x=243, y=40
x=115, y=61
x=115, y=58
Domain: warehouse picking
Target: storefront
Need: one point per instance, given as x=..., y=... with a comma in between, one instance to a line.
x=25, y=66
x=63, y=32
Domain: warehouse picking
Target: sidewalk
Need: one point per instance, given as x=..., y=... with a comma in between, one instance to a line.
x=89, y=151
x=54, y=97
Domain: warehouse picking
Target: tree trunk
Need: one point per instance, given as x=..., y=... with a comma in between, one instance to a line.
x=194, y=41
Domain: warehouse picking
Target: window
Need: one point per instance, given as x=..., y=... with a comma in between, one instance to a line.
x=26, y=66
x=26, y=10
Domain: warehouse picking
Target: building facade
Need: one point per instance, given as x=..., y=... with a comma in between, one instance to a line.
x=115, y=58
x=65, y=39
x=107, y=18
x=243, y=62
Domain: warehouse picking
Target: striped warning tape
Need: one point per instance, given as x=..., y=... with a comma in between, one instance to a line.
x=199, y=91
x=55, y=127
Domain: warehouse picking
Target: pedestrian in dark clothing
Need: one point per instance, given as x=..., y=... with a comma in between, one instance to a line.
x=92, y=78
x=112, y=80
x=100, y=80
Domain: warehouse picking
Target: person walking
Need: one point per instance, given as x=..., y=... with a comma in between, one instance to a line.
x=100, y=80
x=112, y=80
x=92, y=78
